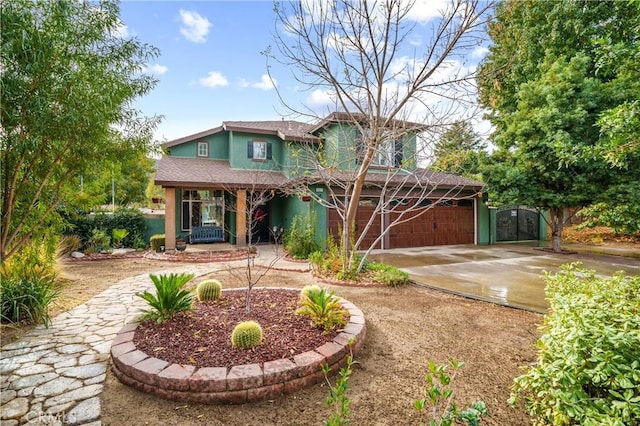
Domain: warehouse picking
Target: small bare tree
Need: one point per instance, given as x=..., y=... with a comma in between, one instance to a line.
x=370, y=60
x=262, y=188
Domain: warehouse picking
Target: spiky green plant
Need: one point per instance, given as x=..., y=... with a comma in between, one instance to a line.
x=170, y=297
x=304, y=293
x=209, y=290
x=247, y=334
x=324, y=310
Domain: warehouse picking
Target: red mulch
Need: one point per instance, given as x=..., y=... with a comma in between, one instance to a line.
x=202, y=337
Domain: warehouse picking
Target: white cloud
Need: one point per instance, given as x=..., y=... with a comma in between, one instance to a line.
x=480, y=52
x=424, y=10
x=121, y=30
x=265, y=83
x=155, y=69
x=195, y=27
x=214, y=79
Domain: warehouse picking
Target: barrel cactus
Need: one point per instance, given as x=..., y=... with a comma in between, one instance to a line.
x=311, y=288
x=246, y=334
x=209, y=290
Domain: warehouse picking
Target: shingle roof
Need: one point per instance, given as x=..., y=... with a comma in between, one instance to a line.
x=204, y=172
x=288, y=130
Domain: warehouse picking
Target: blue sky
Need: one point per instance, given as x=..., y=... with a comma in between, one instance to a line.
x=210, y=67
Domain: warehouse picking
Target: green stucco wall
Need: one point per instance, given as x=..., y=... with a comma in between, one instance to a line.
x=238, y=151
x=218, y=147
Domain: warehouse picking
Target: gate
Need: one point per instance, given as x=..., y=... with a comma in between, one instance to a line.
x=517, y=223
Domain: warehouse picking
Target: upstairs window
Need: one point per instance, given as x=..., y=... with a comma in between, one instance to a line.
x=203, y=149
x=390, y=152
x=259, y=150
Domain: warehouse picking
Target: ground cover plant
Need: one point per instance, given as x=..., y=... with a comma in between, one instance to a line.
x=588, y=367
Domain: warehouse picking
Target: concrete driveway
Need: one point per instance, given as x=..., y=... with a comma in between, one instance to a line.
x=507, y=274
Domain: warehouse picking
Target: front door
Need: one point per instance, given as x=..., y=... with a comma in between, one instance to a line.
x=259, y=224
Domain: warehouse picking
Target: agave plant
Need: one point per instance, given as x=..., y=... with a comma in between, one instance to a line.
x=170, y=297
x=323, y=308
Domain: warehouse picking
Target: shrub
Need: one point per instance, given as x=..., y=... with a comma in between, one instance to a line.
x=209, y=290
x=304, y=293
x=170, y=297
x=118, y=235
x=246, y=335
x=439, y=396
x=27, y=299
x=67, y=245
x=323, y=309
x=387, y=274
x=130, y=219
x=588, y=369
x=99, y=240
x=156, y=241
x=299, y=239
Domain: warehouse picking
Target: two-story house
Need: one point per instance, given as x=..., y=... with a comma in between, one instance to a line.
x=206, y=177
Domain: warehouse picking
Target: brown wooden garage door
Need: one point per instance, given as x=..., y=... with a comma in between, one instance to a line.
x=446, y=223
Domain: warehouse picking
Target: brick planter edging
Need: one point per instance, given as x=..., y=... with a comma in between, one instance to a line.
x=241, y=383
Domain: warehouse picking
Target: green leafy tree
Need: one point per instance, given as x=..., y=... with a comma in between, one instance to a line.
x=459, y=150
x=546, y=91
x=68, y=81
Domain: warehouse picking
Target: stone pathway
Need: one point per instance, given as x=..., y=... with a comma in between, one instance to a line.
x=55, y=375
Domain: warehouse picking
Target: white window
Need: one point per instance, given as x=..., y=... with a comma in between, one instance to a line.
x=203, y=149
x=259, y=150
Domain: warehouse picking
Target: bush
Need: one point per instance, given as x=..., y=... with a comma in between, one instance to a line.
x=130, y=219
x=170, y=297
x=156, y=241
x=299, y=240
x=67, y=245
x=588, y=369
x=323, y=308
x=387, y=274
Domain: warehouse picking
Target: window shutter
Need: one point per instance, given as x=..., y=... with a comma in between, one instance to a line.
x=250, y=149
x=269, y=151
x=398, y=155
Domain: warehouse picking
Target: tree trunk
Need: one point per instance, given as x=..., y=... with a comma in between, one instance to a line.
x=557, y=226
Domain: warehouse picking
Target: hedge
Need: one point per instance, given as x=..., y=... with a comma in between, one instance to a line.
x=130, y=219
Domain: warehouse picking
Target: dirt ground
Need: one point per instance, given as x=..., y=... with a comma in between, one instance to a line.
x=406, y=327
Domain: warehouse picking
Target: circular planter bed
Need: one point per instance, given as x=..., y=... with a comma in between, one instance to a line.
x=230, y=376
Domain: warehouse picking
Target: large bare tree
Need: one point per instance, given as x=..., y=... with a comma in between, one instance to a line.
x=390, y=74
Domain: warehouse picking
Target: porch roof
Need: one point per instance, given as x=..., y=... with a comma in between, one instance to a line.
x=205, y=172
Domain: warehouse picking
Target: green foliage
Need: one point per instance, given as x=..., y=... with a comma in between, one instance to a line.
x=68, y=87
x=156, y=241
x=99, y=240
x=324, y=309
x=170, y=297
x=118, y=235
x=209, y=290
x=439, y=396
x=27, y=286
x=338, y=393
x=459, y=150
x=387, y=274
x=588, y=369
x=304, y=293
x=246, y=335
x=620, y=211
x=67, y=245
x=130, y=219
x=299, y=240
x=334, y=263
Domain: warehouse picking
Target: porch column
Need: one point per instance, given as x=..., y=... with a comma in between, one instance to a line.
x=241, y=218
x=170, y=219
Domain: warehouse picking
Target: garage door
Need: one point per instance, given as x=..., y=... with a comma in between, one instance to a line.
x=446, y=223
x=366, y=209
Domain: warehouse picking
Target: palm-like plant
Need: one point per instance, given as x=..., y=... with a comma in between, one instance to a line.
x=323, y=308
x=170, y=297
